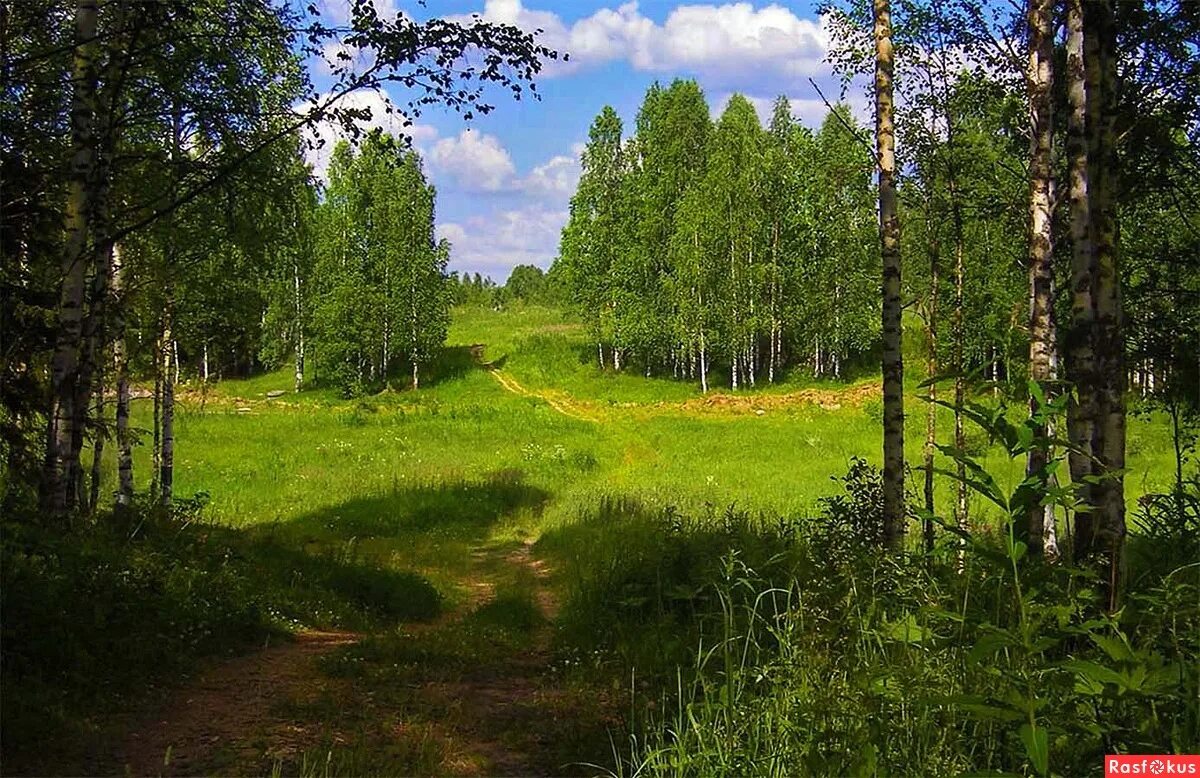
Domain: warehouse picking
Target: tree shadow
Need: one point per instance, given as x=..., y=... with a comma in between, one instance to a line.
x=459, y=510
x=453, y=363
x=642, y=579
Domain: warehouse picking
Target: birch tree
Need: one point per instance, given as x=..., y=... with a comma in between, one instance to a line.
x=1095, y=348
x=889, y=236
x=1042, y=347
x=595, y=228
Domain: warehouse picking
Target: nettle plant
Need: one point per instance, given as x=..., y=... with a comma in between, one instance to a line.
x=1041, y=656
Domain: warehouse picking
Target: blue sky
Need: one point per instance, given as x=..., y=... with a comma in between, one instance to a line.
x=504, y=180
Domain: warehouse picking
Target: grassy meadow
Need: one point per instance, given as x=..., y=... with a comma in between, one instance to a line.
x=297, y=458
x=544, y=568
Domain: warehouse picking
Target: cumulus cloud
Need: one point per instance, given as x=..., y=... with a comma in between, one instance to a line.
x=494, y=243
x=475, y=161
x=725, y=44
x=329, y=131
x=556, y=178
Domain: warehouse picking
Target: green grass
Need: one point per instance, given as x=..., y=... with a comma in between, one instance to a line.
x=369, y=513
x=297, y=457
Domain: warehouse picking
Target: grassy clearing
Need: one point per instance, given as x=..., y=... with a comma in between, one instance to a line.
x=375, y=513
x=284, y=459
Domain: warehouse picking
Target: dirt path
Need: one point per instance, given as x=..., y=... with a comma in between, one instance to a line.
x=557, y=401
x=207, y=721
x=830, y=399
x=455, y=697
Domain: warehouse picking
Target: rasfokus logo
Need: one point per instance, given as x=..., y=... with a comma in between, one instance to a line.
x=1151, y=764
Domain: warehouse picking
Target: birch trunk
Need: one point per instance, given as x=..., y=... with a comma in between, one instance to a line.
x=156, y=452
x=1109, y=448
x=1050, y=550
x=1080, y=359
x=414, y=329
x=774, y=301
x=931, y=367
x=1095, y=347
x=1040, y=77
x=121, y=368
x=97, y=444
x=299, y=325
x=59, y=472
x=166, y=474
x=889, y=237
x=960, y=439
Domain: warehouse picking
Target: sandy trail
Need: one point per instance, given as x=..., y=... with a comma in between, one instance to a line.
x=217, y=711
x=557, y=401
x=508, y=716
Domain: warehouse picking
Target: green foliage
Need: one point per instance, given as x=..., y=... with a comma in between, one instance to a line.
x=807, y=662
x=526, y=283
x=474, y=291
x=692, y=245
x=380, y=295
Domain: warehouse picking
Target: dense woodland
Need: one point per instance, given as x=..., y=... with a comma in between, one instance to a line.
x=694, y=245
x=1009, y=256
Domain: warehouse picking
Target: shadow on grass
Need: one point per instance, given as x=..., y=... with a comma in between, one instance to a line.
x=462, y=510
x=96, y=617
x=452, y=363
x=641, y=581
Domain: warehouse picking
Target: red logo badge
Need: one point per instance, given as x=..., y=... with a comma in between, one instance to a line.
x=1151, y=765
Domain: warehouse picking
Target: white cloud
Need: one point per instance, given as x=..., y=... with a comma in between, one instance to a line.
x=476, y=161
x=330, y=131
x=494, y=243
x=726, y=44
x=735, y=37
x=554, y=179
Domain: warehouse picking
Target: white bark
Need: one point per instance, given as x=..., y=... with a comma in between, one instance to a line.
x=166, y=476
x=121, y=366
x=59, y=471
x=299, y=325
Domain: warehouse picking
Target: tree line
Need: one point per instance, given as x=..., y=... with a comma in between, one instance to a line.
x=525, y=283
x=750, y=250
